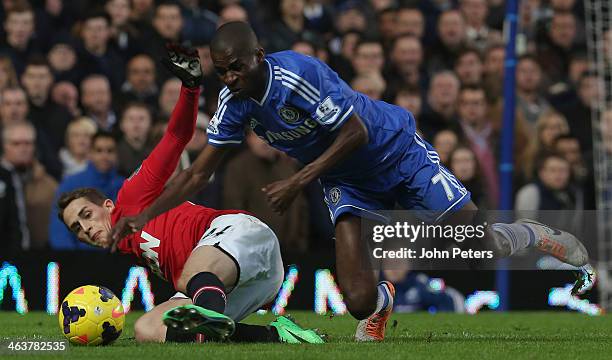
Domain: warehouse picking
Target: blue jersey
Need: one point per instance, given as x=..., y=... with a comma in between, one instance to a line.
x=304, y=106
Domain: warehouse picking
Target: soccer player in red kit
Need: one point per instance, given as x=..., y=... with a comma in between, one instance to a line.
x=225, y=264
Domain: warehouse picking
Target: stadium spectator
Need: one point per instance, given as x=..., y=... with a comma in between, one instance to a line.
x=411, y=100
x=387, y=20
x=232, y=12
x=199, y=22
x=101, y=173
x=350, y=17
x=49, y=118
x=477, y=31
x=62, y=58
x=94, y=54
x=445, y=142
x=369, y=57
x=124, y=36
x=13, y=110
x=373, y=85
x=64, y=93
x=548, y=127
x=140, y=83
x=477, y=131
x=440, y=110
x=13, y=105
x=469, y=67
x=463, y=164
x=97, y=102
x=290, y=26
x=493, y=72
x=265, y=164
x=555, y=52
x=78, y=145
x=168, y=97
x=34, y=188
x=405, y=64
x=8, y=77
x=529, y=100
x=19, y=43
x=590, y=90
x=451, y=39
x=142, y=14
x=304, y=47
x=134, y=147
x=551, y=189
x=582, y=174
x=409, y=21
x=167, y=27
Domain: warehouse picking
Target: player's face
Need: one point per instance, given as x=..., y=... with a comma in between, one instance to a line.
x=91, y=223
x=239, y=70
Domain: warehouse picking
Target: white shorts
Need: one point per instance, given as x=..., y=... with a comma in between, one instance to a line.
x=254, y=248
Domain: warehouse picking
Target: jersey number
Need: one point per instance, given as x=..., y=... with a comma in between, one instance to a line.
x=439, y=178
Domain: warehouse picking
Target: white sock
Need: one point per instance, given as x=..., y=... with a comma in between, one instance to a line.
x=519, y=236
x=382, y=301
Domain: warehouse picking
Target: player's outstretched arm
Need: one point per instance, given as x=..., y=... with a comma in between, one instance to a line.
x=353, y=134
x=184, y=185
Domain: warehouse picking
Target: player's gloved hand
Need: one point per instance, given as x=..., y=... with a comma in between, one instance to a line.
x=280, y=194
x=184, y=63
x=124, y=227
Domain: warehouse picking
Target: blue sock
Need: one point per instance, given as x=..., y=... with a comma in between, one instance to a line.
x=519, y=236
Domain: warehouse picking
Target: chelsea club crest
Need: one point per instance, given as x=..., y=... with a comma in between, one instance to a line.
x=334, y=195
x=289, y=114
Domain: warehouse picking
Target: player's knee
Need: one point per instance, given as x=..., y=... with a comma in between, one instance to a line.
x=146, y=331
x=360, y=302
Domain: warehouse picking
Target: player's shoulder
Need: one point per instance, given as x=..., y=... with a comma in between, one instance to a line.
x=294, y=62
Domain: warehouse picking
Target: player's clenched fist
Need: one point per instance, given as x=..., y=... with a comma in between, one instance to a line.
x=184, y=63
x=280, y=194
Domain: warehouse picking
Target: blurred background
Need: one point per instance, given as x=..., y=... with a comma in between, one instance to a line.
x=83, y=100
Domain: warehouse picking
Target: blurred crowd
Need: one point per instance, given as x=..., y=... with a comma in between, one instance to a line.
x=83, y=99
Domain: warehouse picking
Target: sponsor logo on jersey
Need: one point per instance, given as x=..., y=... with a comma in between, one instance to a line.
x=213, y=125
x=253, y=123
x=334, y=195
x=289, y=114
x=327, y=111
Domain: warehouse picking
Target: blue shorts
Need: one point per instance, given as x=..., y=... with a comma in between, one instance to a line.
x=416, y=182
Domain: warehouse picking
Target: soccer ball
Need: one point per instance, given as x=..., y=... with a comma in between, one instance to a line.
x=91, y=315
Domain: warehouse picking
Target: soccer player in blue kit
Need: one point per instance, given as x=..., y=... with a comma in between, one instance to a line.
x=366, y=154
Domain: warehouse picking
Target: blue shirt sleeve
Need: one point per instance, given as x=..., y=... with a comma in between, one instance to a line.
x=226, y=127
x=319, y=90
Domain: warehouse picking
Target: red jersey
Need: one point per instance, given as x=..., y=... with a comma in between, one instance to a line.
x=165, y=242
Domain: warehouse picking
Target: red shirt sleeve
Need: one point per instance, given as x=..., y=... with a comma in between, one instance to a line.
x=147, y=182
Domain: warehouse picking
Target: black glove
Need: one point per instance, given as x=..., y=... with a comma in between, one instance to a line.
x=184, y=63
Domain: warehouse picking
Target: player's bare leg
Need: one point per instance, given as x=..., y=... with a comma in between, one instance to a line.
x=150, y=328
x=365, y=300
x=206, y=276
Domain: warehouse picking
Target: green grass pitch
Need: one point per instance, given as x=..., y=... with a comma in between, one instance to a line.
x=514, y=335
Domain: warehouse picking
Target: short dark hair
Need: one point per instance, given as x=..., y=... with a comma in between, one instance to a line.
x=38, y=60
x=91, y=194
x=96, y=13
x=136, y=104
x=101, y=134
x=543, y=157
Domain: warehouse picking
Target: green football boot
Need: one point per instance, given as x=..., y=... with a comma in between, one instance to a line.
x=292, y=333
x=195, y=319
